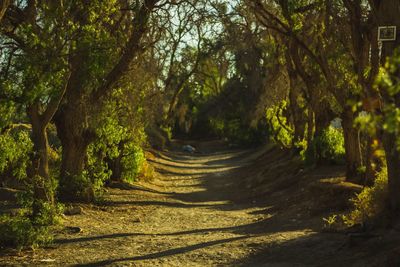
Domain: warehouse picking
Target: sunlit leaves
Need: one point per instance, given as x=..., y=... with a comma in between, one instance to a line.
x=15, y=153
x=389, y=84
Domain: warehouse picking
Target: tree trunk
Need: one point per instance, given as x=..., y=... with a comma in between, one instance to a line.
x=115, y=165
x=298, y=120
x=310, y=126
x=323, y=118
x=393, y=167
x=75, y=138
x=369, y=170
x=3, y=7
x=42, y=191
x=352, y=147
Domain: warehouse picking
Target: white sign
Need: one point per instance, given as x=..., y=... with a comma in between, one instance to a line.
x=387, y=33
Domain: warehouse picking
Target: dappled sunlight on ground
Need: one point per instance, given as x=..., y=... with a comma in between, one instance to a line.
x=227, y=209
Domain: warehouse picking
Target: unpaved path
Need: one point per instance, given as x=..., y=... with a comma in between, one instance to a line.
x=192, y=214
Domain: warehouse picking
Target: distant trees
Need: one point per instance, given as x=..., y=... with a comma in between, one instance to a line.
x=318, y=55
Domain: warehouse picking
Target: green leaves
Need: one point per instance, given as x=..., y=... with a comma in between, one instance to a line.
x=280, y=129
x=14, y=153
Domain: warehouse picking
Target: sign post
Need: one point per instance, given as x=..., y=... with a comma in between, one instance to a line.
x=386, y=33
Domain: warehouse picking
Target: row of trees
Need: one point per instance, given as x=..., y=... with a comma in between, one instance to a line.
x=90, y=79
x=96, y=72
x=337, y=67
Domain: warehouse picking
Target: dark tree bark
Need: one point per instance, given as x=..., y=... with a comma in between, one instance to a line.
x=75, y=136
x=42, y=191
x=352, y=146
x=294, y=92
x=40, y=162
x=3, y=7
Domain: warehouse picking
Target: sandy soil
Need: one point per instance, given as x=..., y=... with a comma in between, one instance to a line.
x=232, y=208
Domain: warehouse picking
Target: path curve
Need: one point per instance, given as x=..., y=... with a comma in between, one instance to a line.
x=195, y=213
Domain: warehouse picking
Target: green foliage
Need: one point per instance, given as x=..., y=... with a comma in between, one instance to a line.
x=371, y=202
x=280, y=130
x=388, y=80
x=78, y=187
x=331, y=221
x=119, y=139
x=237, y=132
x=25, y=230
x=329, y=146
x=133, y=161
x=167, y=131
x=8, y=112
x=14, y=154
x=20, y=232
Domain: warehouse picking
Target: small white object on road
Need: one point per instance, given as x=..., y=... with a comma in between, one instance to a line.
x=188, y=148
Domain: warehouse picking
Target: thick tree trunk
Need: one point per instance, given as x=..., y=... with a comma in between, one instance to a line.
x=352, y=147
x=393, y=167
x=74, y=137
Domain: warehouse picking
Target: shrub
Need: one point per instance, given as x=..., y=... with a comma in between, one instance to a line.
x=132, y=161
x=238, y=132
x=78, y=187
x=328, y=147
x=19, y=232
x=23, y=230
x=370, y=203
x=14, y=154
x=118, y=146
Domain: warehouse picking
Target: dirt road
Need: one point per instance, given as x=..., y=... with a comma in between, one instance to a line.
x=197, y=212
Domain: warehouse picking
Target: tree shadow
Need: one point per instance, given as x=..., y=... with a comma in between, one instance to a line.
x=188, y=167
x=170, y=173
x=131, y=187
x=93, y=238
x=166, y=253
x=158, y=203
x=319, y=249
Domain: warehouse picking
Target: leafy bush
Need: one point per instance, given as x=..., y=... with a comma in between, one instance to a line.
x=117, y=146
x=120, y=137
x=328, y=147
x=14, y=154
x=132, y=160
x=20, y=232
x=78, y=187
x=24, y=230
x=370, y=203
x=237, y=132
